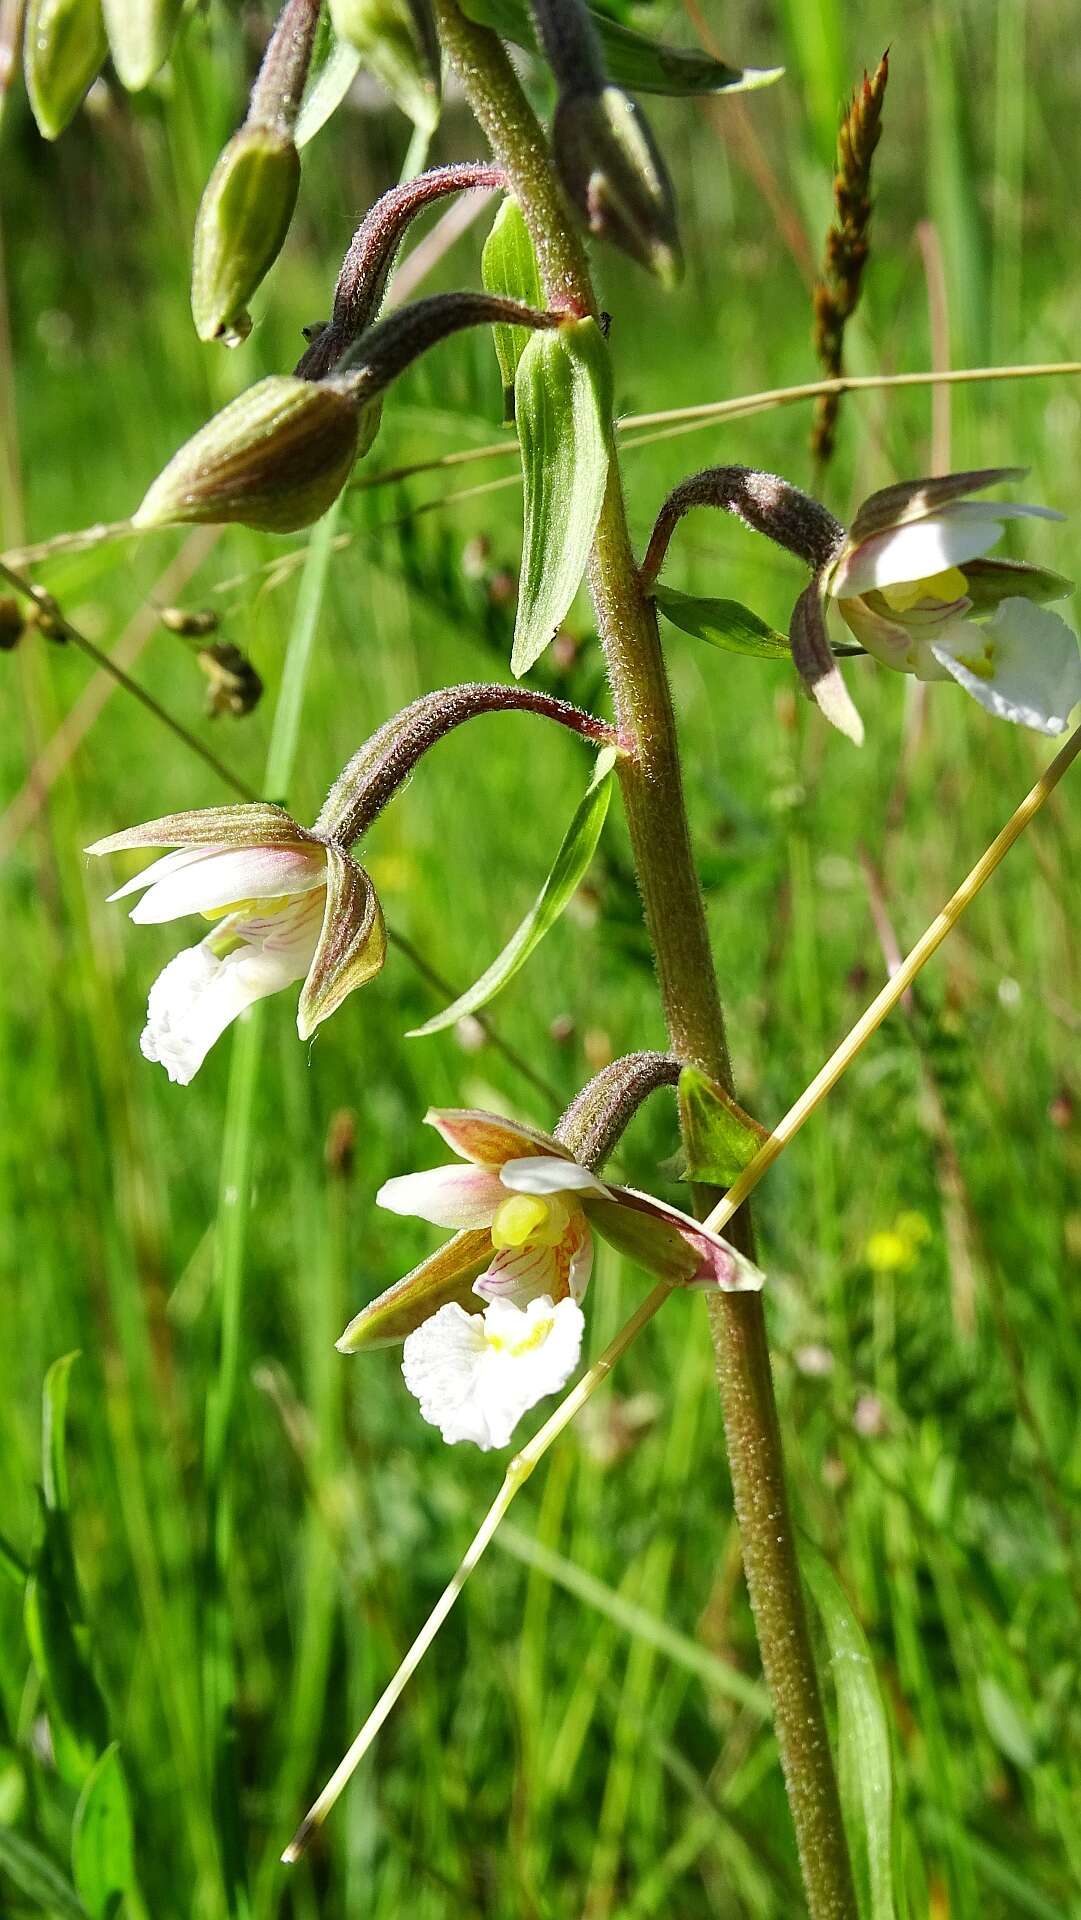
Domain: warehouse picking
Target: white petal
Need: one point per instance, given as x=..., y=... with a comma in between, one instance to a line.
x=199, y=993
x=447, y=1196
x=476, y=1375
x=920, y=548
x=1022, y=665
x=161, y=868
x=544, y=1174
x=240, y=873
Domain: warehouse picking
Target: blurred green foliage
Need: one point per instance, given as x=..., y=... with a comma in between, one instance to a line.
x=558, y=1754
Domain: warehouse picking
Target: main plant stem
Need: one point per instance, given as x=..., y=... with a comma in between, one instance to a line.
x=652, y=787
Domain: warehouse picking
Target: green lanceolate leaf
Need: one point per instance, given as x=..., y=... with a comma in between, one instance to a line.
x=563, y=406
x=75, y=1707
x=64, y=50
x=508, y=266
x=571, y=862
x=54, y=1408
x=719, y=1137
x=864, y=1765
x=724, y=623
x=334, y=67
x=102, y=1846
x=631, y=59
x=37, y=1878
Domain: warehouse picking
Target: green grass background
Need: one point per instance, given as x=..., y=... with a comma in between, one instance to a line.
x=243, y=1607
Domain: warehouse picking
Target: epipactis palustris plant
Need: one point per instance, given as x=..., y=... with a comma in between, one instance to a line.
x=492, y=1321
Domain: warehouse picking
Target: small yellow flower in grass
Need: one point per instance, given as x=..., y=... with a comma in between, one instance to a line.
x=284, y=905
x=526, y=1211
x=913, y=584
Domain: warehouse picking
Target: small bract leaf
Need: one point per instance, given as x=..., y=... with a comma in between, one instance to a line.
x=631, y=59
x=864, y=1764
x=38, y=1878
x=724, y=623
x=571, y=862
x=563, y=406
x=509, y=267
x=140, y=36
x=242, y=222
x=396, y=41
x=719, y=1137
x=102, y=1848
x=64, y=49
x=334, y=67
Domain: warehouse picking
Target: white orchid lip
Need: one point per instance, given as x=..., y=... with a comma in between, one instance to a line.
x=476, y=1374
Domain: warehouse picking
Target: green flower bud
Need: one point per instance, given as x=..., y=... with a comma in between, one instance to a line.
x=63, y=51
x=242, y=222
x=612, y=170
x=398, y=43
x=140, y=36
x=275, y=458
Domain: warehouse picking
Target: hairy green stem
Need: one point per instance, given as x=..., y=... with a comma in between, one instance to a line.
x=652, y=788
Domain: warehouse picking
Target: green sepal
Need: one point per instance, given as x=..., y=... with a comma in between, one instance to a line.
x=631, y=59
x=240, y=228
x=615, y=176
x=719, y=1137
x=446, y=1276
x=563, y=407
x=578, y=846
x=334, y=67
x=64, y=49
x=723, y=623
x=509, y=267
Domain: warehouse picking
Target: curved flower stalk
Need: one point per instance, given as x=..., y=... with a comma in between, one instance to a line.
x=285, y=904
x=913, y=584
x=526, y=1211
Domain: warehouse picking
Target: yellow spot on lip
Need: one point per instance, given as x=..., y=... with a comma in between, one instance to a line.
x=534, y=1338
x=947, y=586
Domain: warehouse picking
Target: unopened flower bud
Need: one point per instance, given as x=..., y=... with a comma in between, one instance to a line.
x=398, y=43
x=191, y=623
x=275, y=458
x=140, y=36
x=233, y=684
x=63, y=50
x=242, y=221
x=612, y=170
x=12, y=623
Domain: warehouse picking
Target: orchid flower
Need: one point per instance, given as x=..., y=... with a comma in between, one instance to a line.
x=285, y=904
x=526, y=1211
x=912, y=583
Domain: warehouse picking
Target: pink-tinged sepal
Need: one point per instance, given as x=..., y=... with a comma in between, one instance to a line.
x=672, y=1244
x=446, y=1277
x=251, y=824
x=488, y=1139
x=352, y=945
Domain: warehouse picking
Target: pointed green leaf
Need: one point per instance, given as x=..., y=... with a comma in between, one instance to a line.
x=563, y=406
x=724, y=623
x=864, y=1764
x=37, y=1878
x=54, y=1407
x=509, y=267
x=102, y=1846
x=719, y=1137
x=75, y=1707
x=571, y=862
x=631, y=59
x=333, y=69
